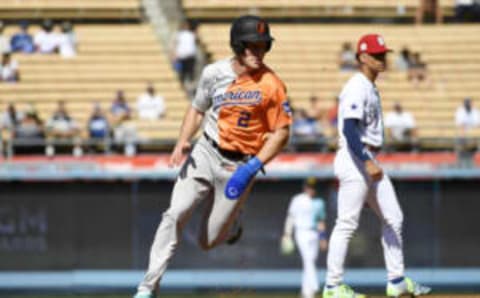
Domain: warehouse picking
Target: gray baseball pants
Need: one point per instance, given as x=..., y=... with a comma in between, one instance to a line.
x=202, y=177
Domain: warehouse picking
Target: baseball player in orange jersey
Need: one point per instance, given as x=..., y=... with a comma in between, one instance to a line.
x=240, y=101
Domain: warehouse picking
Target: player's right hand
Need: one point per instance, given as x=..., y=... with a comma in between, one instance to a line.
x=373, y=170
x=240, y=179
x=178, y=153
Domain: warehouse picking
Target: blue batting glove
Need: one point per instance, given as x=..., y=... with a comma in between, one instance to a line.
x=240, y=179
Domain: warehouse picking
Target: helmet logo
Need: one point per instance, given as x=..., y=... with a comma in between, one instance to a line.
x=380, y=41
x=261, y=27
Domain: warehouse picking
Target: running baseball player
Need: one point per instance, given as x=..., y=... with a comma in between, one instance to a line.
x=361, y=178
x=306, y=217
x=241, y=101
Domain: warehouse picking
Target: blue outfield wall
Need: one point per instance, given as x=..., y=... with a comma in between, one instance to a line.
x=127, y=280
x=95, y=235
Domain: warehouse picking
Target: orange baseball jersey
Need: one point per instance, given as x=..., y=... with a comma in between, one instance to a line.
x=240, y=110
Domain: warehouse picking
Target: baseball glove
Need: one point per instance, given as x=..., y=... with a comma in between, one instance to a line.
x=287, y=246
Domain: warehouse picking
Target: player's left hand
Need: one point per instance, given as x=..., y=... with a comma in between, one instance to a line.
x=287, y=246
x=238, y=182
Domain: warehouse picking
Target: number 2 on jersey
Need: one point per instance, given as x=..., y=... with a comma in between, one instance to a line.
x=244, y=118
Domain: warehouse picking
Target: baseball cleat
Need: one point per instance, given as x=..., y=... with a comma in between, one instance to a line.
x=341, y=291
x=407, y=288
x=144, y=295
x=236, y=235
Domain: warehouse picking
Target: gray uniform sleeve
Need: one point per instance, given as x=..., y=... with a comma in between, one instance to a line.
x=203, y=95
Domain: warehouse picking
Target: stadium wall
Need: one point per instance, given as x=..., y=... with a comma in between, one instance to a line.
x=110, y=224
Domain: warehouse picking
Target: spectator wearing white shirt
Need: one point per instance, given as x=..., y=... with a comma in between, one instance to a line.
x=4, y=41
x=46, y=40
x=67, y=41
x=150, y=106
x=185, y=52
x=466, y=117
x=9, y=69
x=403, y=60
x=400, y=127
x=62, y=128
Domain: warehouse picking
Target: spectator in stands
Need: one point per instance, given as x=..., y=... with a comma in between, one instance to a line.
x=467, y=10
x=46, y=40
x=347, y=60
x=119, y=110
x=29, y=134
x=61, y=127
x=22, y=41
x=9, y=69
x=124, y=129
x=4, y=42
x=98, y=127
x=466, y=118
x=307, y=133
x=417, y=72
x=150, y=106
x=185, y=52
x=403, y=60
x=125, y=135
x=315, y=111
x=10, y=118
x=67, y=41
x=429, y=7
x=401, y=128
x=332, y=117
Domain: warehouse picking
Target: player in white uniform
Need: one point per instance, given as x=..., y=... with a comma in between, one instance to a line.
x=306, y=217
x=361, y=178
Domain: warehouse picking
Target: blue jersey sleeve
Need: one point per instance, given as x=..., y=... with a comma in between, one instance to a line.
x=350, y=131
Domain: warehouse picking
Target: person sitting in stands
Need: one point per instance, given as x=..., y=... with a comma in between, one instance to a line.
x=22, y=41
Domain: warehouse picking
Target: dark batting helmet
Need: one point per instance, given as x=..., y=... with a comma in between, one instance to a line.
x=249, y=28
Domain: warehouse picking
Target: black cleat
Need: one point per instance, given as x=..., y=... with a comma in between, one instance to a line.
x=235, y=236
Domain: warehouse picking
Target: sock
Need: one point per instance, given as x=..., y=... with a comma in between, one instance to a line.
x=397, y=280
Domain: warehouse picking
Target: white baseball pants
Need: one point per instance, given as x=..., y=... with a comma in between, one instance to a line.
x=202, y=177
x=356, y=189
x=308, y=245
